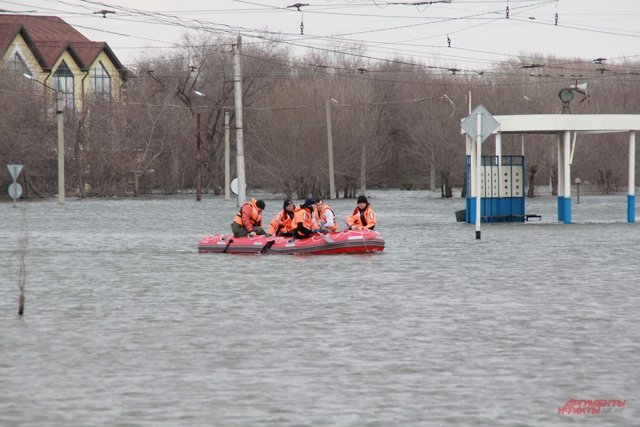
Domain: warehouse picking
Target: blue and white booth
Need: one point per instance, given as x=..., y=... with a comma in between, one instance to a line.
x=561, y=125
x=501, y=189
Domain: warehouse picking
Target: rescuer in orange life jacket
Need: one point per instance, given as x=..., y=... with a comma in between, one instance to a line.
x=363, y=216
x=248, y=222
x=281, y=223
x=326, y=217
x=304, y=224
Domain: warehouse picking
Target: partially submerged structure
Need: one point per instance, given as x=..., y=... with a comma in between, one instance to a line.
x=562, y=126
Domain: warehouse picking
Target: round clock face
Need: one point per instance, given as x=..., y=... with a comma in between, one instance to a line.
x=566, y=95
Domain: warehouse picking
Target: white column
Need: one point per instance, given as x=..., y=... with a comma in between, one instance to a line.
x=632, y=163
x=567, y=164
x=566, y=199
x=631, y=197
x=560, y=167
x=472, y=165
x=499, y=156
x=478, y=169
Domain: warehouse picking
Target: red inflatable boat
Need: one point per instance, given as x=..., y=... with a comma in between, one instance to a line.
x=343, y=242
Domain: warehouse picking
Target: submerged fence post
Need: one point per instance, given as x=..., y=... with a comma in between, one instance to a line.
x=22, y=251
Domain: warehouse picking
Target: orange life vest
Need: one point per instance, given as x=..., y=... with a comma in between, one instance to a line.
x=368, y=216
x=323, y=218
x=306, y=218
x=281, y=223
x=255, y=217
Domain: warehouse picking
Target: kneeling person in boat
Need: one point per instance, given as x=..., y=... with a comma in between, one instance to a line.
x=363, y=217
x=281, y=224
x=304, y=224
x=326, y=217
x=248, y=222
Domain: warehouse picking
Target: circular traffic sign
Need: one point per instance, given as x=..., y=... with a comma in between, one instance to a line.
x=565, y=95
x=234, y=185
x=15, y=190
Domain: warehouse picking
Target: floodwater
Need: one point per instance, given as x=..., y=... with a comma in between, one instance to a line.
x=126, y=324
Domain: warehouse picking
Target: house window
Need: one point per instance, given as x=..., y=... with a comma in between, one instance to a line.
x=63, y=83
x=16, y=65
x=100, y=82
x=16, y=69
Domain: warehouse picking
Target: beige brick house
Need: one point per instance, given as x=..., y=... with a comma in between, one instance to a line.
x=57, y=55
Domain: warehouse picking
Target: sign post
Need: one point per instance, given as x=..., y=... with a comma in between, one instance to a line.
x=479, y=125
x=15, y=189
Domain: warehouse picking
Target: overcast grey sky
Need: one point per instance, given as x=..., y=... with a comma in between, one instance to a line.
x=478, y=30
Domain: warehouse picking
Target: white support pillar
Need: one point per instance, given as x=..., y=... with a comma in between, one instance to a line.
x=631, y=193
x=472, y=165
x=478, y=170
x=471, y=189
x=566, y=206
x=560, y=182
x=499, y=158
x=560, y=167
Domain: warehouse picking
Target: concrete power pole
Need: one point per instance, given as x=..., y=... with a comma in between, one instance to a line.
x=237, y=88
x=227, y=174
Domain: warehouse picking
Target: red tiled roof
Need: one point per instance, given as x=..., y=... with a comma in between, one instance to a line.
x=50, y=36
x=89, y=51
x=45, y=28
x=8, y=32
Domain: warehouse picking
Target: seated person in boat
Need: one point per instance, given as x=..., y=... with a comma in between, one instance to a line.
x=325, y=216
x=363, y=217
x=281, y=223
x=304, y=224
x=248, y=222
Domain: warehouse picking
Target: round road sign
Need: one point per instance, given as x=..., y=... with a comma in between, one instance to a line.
x=15, y=190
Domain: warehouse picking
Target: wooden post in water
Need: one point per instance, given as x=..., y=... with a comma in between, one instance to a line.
x=22, y=276
x=21, y=303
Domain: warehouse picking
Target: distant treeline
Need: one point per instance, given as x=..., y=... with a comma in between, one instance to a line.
x=395, y=123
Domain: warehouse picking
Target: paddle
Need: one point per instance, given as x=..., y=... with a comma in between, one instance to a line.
x=227, y=245
x=327, y=238
x=324, y=236
x=267, y=245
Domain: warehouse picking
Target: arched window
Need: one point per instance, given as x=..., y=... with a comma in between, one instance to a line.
x=63, y=83
x=16, y=68
x=100, y=82
x=16, y=65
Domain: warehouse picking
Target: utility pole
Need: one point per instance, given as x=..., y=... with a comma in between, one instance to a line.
x=227, y=173
x=198, y=160
x=332, y=184
x=60, y=123
x=363, y=168
x=60, y=119
x=237, y=88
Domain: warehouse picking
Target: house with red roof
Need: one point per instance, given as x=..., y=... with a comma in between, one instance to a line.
x=55, y=54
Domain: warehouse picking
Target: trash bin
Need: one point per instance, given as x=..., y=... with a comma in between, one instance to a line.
x=461, y=216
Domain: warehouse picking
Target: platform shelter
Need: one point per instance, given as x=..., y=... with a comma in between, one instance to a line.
x=563, y=126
